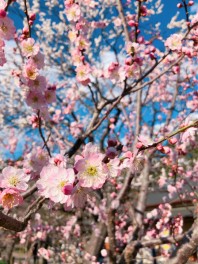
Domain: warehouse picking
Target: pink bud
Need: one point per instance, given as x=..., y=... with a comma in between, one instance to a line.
x=33, y=17
x=172, y=141
x=140, y=40
x=31, y=22
x=131, y=23
x=166, y=150
x=139, y=145
x=25, y=31
x=128, y=61
x=152, y=49
x=68, y=189
x=152, y=56
x=179, y=5
x=159, y=147
x=2, y=13
x=190, y=3
x=112, y=142
x=111, y=152
x=146, y=51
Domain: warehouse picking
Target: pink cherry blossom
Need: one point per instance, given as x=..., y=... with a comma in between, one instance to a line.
x=174, y=42
x=113, y=168
x=91, y=172
x=37, y=60
x=45, y=253
x=83, y=72
x=35, y=99
x=59, y=160
x=73, y=12
x=52, y=181
x=12, y=177
x=38, y=84
x=10, y=198
x=7, y=29
x=3, y=4
x=30, y=71
x=36, y=160
x=29, y=48
x=50, y=96
x=78, y=197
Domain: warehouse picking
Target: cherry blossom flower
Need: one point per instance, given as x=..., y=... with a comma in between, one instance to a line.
x=174, y=42
x=12, y=177
x=45, y=253
x=30, y=71
x=78, y=197
x=83, y=72
x=7, y=28
x=52, y=181
x=50, y=96
x=10, y=198
x=113, y=168
x=29, y=48
x=37, y=60
x=3, y=5
x=36, y=160
x=91, y=172
x=73, y=12
x=59, y=160
x=38, y=84
x=35, y=99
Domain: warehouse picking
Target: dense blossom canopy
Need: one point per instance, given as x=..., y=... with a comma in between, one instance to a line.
x=98, y=111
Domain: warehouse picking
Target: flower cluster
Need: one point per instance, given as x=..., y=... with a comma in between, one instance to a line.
x=77, y=36
x=14, y=181
x=7, y=31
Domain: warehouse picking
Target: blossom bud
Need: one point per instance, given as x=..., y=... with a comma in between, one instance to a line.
x=33, y=17
x=179, y=5
x=140, y=40
x=31, y=22
x=139, y=145
x=131, y=23
x=112, y=142
x=190, y=3
x=172, y=141
x=159, y=147
x=146, y=51
x=128, y=61
x=25, y=31
x=68, y=189
x=152, y=56
x=111, y=152
x=2, y=13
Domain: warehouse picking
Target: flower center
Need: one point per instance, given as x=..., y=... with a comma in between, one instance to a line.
x=91, y=171
x=4, y=28
x=8, y=200
x=62, y=184
x=29, y=48
x=13, y=180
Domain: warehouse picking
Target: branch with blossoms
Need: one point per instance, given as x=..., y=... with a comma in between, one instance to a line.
x=183, y=129
x=92, y=101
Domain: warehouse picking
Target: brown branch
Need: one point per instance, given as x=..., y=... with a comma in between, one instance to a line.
x=111, y=235
x=136, y=245
x=41, y=133
x=124, y=22
x=10, y=223
x=187, y=248
x=180, y=130
x=28, y=18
